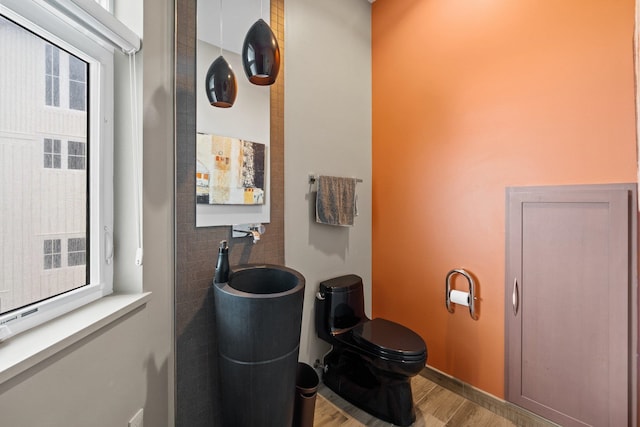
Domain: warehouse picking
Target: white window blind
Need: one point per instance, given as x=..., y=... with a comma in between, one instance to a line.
x=89, y=17
x=93, y=18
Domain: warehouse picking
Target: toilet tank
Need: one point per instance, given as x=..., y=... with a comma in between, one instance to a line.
x=341, y=305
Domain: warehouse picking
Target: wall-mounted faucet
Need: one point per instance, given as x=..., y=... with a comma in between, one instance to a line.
x=248, y=230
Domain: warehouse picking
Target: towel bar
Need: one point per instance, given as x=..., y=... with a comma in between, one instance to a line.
x=314, y=178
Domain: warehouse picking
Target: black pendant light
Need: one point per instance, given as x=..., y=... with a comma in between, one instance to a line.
x=220, y=82
x=222, y=87
x=261, y=54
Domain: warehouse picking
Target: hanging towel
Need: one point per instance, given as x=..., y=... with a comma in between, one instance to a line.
x=336, y=200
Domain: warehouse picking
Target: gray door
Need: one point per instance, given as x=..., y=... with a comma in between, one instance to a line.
x=568, y=310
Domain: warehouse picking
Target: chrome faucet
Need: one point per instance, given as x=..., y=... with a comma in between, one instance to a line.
x=248, y=230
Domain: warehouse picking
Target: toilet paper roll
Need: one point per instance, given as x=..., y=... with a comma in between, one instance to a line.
x=459, y=297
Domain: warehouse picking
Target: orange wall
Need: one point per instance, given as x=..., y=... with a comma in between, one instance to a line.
x=471, y=96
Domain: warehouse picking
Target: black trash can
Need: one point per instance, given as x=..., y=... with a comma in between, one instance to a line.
x=306, y=389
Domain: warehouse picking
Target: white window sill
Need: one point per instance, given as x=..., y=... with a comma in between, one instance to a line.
x=25, y=350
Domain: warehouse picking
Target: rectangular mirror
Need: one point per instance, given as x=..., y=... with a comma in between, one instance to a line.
x=247, y=121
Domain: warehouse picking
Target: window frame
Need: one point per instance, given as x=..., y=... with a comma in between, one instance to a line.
x=47, y=24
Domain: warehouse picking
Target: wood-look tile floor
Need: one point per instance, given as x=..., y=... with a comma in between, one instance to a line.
x=435, y=407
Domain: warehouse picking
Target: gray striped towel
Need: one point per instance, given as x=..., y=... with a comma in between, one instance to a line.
x=336, y=200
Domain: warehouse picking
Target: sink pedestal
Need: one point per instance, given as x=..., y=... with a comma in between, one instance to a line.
x=258, y=318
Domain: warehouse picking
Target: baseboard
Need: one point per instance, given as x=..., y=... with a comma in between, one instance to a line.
x=515, y=414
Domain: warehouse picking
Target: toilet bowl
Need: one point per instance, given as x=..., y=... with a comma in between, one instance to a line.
x=372, y=360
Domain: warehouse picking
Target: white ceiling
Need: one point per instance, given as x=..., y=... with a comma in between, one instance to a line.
x=237, y=17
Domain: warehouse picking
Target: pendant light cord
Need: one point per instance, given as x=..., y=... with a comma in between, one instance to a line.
x=220, y=27
x=136, y=148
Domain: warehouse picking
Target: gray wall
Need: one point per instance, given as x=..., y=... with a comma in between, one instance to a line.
x=327, y=132
x=104, y=379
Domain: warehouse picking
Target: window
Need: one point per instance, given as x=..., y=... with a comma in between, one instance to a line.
x=52, y=254
x=77, y=84
x=52, y=156
x=58, y=225
x=77, y=157
x=65, y=79
x=77, y=253
x=52, y=75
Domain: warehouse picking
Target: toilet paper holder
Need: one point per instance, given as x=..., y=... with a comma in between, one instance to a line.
x=472, y=291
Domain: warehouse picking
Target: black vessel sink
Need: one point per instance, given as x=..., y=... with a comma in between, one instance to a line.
x=265, y=280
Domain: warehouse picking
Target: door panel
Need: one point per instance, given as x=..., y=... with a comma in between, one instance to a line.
x=567, y=347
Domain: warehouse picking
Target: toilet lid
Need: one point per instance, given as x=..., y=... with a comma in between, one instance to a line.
x=391, y=339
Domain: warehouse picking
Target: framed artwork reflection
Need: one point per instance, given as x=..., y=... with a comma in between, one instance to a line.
x=229, y=171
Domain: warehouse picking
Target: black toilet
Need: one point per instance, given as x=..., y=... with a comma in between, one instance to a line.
x=372, y=361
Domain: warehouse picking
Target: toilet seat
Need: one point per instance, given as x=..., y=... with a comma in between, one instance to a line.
x=390, y=340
